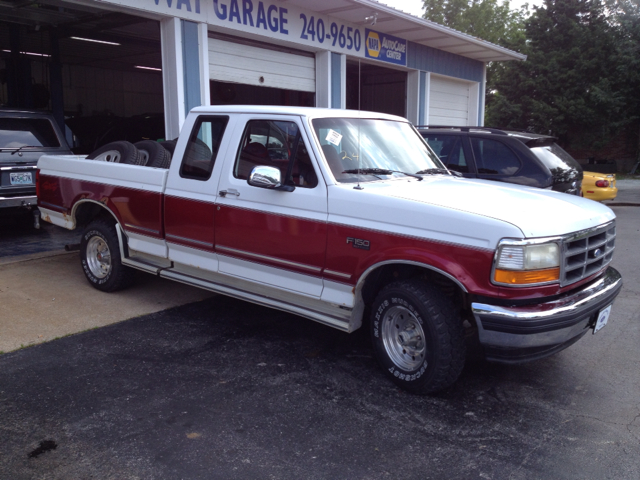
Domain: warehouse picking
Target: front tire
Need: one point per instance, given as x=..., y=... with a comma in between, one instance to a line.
x=418, y=337
x=100, y=257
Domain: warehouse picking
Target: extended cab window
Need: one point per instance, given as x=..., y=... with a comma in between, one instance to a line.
x=27, y=132
x=275, y=144
x=202, y=149
x=494, y=157
x=449, y=149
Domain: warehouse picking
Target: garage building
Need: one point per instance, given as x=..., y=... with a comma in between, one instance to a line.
x=96, y=63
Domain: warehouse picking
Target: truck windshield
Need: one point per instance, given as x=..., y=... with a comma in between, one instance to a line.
x=361, y=150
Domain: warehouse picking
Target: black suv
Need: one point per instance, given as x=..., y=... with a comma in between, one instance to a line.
x=514, y=157
x=24, y=137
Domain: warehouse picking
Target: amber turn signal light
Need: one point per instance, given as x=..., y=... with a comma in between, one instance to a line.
x=513, y=277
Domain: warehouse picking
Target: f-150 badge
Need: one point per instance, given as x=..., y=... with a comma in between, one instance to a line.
x=359, y=243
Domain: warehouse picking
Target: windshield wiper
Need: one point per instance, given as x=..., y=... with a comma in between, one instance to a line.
x=439, y=171
x=380, y=171
x=23, y=146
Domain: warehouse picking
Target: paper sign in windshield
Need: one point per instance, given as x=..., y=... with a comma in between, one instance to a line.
x=334, y=137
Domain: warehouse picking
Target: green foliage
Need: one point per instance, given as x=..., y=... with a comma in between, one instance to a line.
x=485, y=19
x=578, y=80
x=581, y=79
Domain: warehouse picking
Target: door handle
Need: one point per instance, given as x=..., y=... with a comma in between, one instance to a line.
x=231, y=191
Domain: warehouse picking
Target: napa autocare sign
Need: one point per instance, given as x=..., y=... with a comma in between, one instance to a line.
x=385, y=47
x=278, y=20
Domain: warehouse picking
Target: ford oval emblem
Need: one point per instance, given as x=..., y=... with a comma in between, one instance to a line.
x=597, y=252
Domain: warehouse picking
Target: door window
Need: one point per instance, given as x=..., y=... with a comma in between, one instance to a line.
x=202, y=149
x=275, y=144
x=494, y=157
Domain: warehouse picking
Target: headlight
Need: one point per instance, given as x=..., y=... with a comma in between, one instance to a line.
x=523, y=264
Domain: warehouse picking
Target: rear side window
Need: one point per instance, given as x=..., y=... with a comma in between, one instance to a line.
x=554, y=157
x=202, y=149
x=449, y=150
x=27, y=132
x=494, y=157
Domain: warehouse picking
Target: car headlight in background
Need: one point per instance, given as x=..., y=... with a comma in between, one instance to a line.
x=520, y=263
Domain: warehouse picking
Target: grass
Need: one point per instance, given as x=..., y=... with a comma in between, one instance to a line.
x=626, y=176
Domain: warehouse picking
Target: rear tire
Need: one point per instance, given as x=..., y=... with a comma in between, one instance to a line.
x=418, y=337
x=100, y=257
x=117, y=152
x=154, y=154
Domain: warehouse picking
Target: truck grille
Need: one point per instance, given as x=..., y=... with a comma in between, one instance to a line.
x=587, y=252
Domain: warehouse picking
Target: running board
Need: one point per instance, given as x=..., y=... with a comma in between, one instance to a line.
x=263, y=300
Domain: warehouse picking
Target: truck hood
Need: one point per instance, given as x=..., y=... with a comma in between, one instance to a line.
x=534, y=211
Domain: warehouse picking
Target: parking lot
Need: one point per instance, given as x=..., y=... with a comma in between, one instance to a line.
x=218, y=388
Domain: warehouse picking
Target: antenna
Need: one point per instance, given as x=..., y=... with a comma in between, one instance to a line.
x=359, y=187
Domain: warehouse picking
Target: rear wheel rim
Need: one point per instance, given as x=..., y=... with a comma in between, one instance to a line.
x=403, y=338
x=98, y=257
x=112, y=156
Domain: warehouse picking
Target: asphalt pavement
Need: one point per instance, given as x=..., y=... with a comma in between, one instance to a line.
x=225, y=389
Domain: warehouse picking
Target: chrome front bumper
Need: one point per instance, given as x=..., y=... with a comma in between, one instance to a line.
x=523, y=333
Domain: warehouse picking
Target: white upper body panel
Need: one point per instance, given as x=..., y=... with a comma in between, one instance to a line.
x=119, y=174
x=464, y=211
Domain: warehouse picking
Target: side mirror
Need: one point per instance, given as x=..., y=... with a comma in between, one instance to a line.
x=265, y=177
x=268, y=177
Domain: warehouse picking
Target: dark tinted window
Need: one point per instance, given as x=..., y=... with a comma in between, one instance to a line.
x=494, y=157
x=27, y=132
x=449, y=150
x=202, y=149
x=275, y=144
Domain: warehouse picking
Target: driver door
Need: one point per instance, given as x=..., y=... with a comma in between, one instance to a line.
x=273, y=237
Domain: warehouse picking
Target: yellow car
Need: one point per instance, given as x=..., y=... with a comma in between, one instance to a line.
x=599, y=186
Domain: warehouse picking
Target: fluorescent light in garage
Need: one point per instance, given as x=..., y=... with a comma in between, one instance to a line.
x=94, y=40
x=30, y=53
x=148, y=68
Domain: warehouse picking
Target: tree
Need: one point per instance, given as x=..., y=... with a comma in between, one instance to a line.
x=568, y=85
x=485, y=19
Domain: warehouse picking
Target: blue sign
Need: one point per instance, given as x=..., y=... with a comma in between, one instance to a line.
x=386, y=48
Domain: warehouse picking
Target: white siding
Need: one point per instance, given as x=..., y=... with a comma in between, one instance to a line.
x=450, y=102
x=235, y=63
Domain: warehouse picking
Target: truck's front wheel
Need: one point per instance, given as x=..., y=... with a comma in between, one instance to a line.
x=418, y=337
x=100, y=256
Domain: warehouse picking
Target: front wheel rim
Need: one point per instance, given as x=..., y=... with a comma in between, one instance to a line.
x=98, y=257
x=403, y=338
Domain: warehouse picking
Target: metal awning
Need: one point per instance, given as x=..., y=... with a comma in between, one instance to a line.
x=396, y=22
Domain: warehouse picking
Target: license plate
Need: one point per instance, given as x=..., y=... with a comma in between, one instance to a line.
x=20, y=178
x=603, y=317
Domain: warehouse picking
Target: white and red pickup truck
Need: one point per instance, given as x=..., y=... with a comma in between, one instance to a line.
x=347, y=217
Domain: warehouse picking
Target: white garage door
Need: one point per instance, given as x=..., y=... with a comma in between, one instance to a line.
x=238, y=63
x=452, y=102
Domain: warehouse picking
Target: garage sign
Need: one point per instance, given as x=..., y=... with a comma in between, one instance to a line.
x=386, y=48
x=282, y=21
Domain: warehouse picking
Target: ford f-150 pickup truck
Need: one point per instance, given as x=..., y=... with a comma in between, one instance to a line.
x=347, y=217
